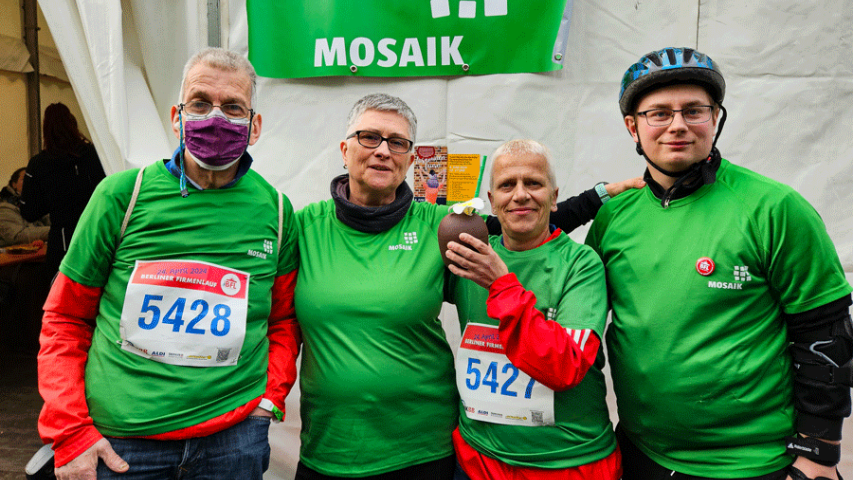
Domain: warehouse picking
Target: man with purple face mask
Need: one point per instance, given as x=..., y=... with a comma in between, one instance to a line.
x=169, y=334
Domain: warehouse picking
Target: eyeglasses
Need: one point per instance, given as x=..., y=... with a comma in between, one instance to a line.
x=230, y=110
x=373, y=140
x=662, y=117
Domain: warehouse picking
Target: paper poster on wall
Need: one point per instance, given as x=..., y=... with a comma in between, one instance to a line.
x=377, y=38
x=431, y=174
x=463, y=173
x=445, y=178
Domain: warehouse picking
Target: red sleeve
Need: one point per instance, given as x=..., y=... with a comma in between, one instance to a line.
x=553, y=355
x=66, y=335
x=285, y=338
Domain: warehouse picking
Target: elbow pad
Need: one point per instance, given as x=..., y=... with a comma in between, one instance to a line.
x=825, y=354
x=822, y=351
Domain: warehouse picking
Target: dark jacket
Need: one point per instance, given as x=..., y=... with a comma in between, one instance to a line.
x=61, y=187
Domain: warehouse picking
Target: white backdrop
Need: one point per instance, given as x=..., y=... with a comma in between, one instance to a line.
x=787, y=65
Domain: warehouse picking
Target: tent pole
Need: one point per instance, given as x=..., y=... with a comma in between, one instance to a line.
x=214, y=34
x=30, y=25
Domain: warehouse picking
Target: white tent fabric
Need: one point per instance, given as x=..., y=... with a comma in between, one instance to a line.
x=14, y=56
x=786, y=63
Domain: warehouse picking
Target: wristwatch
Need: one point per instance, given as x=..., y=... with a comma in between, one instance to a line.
x=602, y=192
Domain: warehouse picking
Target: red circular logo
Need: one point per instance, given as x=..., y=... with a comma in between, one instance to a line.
x=705, y=266
x=425, y=151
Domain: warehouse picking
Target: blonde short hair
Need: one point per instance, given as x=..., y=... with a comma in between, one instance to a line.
x=524, y=147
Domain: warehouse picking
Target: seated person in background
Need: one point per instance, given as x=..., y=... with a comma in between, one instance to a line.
x=532, y=307
x=13, y=228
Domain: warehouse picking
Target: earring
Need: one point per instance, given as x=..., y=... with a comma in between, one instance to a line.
x=345, y=166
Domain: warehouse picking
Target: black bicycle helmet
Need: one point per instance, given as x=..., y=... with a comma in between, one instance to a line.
x=667, y=67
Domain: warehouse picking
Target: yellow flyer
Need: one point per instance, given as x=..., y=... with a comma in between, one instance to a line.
x=463, y=176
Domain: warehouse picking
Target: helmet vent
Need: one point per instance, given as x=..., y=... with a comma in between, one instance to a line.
x=654, y=58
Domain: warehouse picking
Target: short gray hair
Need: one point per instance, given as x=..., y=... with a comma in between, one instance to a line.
x=524, y=147
x=222, y=59
x=383, y=103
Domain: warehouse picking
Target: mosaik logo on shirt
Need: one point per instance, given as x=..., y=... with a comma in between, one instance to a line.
x=705, y=266
x=408, y=237
x=268, y=250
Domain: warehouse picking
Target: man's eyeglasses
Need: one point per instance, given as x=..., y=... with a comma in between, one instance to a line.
x=662, y=117
x=230, y=110
x=373, y=140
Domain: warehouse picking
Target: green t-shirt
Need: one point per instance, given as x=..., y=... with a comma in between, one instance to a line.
x=129, y=394
x=568, y=281
x=698, y=346
x=377, y=381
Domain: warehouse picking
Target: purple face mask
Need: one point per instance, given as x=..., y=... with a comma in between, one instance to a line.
x=216, y=142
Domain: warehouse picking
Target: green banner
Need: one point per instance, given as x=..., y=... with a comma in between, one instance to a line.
x=406, y=38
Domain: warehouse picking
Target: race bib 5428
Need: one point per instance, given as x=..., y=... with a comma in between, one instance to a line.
x=185, y=313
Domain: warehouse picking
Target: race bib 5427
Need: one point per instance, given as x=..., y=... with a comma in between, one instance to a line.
x=492, y=388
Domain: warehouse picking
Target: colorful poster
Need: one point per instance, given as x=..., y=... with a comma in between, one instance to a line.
x=373, y=38
x=431, y=174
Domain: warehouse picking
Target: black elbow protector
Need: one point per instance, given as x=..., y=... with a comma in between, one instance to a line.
x=821, y=350
x=825, y=355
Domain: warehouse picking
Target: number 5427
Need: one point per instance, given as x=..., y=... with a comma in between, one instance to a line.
x=490, y=378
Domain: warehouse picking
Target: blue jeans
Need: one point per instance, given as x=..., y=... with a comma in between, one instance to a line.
x=460, y=474
x=239, y=452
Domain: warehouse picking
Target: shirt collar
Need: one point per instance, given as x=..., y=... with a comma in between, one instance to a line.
x=174, y=166
x=555, y=232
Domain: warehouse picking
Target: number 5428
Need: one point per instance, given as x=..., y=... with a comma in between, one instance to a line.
x=219, y=325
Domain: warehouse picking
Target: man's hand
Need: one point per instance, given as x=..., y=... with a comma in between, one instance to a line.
x=814, y=470
x=260, y=412
x=483, y=266
x=614, y=189
x=85, y=466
